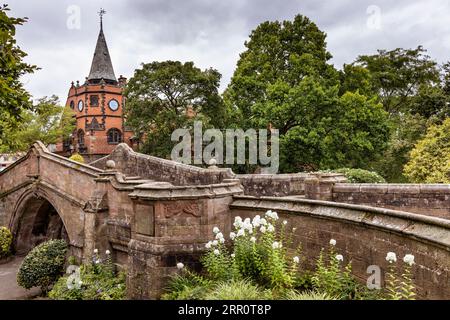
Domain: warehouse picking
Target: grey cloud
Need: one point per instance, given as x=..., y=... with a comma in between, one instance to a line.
x=209, y=32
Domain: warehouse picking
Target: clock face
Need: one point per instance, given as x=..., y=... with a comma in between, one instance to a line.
x=113, y=105
x=80, y=105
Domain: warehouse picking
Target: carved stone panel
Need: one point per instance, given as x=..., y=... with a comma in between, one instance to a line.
x=145, y=219
x=176, y=208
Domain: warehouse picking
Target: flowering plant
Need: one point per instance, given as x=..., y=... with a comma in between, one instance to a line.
x=331, y=276
x=399, y=284
x=255, y=251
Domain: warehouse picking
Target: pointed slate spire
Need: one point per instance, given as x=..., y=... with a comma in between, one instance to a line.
x=101, y=67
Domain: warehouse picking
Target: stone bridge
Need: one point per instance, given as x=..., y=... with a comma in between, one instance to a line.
x=152, y=213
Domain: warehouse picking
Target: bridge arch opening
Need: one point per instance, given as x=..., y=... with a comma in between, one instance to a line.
x=38, y=221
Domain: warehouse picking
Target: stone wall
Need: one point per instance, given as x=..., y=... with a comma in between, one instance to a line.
x=144, y=166
x=148, y=167
x=364, y=235
x=273, y=184
x=426, y=199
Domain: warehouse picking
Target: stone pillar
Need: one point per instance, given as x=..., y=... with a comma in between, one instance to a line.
x=95, y=211
x=319, y=186
x=171, y=225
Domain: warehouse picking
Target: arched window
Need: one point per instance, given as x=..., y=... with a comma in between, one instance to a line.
x=114, y=136
x=80, y=135
x=72, y=105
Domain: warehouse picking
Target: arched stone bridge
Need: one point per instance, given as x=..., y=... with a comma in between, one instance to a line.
x=152, y=213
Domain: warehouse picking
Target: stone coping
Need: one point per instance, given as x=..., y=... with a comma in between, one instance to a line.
x=82, y=167
x=424, y=228
x=43, y=152
x=167, y=191
x=391, y=188
x=162, y=161
x=278, y=176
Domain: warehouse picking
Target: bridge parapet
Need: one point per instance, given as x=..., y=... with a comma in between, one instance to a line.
x=364, y=236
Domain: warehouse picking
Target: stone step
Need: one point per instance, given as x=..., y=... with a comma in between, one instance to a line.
x=133, y=178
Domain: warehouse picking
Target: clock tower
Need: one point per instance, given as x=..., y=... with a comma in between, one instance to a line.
x=98, y=107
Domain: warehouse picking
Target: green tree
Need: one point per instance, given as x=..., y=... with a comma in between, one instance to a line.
x=14, y=99
x=278, y=53
x=284, y=79
x=430, y=158
x=398, y=74
x=47, y=122
x=164, y=96
x=407, y=129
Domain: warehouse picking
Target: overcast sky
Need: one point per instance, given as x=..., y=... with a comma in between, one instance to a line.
x=211, y=33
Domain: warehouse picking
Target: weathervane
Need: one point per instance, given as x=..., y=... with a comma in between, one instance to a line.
x=101, y=13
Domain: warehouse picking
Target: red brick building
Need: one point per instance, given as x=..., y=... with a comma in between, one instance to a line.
x=98, y=105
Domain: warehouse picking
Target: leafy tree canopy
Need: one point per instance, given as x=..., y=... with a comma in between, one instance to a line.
x=47, y=122
x=13, y=97
x=284, y=79
x=164, y=96
x=430, y=158
x=397, y=75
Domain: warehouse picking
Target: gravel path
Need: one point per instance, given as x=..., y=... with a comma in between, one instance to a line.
x=9, y=289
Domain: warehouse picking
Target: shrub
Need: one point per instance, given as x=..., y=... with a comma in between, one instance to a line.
x=96, y=281
x=360, y=175
x=5, y=242
x=43, y=265
x=238, y=290
x=430, y=158
x=308, y=295
x=77, y=157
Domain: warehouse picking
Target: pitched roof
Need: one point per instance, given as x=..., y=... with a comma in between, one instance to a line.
x=101, y=66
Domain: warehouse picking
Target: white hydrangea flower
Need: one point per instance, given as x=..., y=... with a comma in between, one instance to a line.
x=80, y=282
x=240, y=233
x=274, y=215
x=216, y=252
x=237, y=222
x=391, y=257
x=219, y=236
x=256, y=221
x=285, y=222
x=214, y=243
x=333, y=242
x=222, y=240
x=247, y=221
x=232, y=235
x=276, y=245
x=269, y=213
x=263, y=229
x=253, y=239
x=97, y=261
x=108, y=252
x=95, y=251
x=270, y=228
x=263, y=221
x=408, y=259
x=208, y=245
x=180, y=265
x=296, y=259
x=216, y=230
x=339, y=257
x=247, y=226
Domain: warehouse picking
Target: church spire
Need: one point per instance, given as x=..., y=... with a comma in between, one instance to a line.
x=101, y=67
